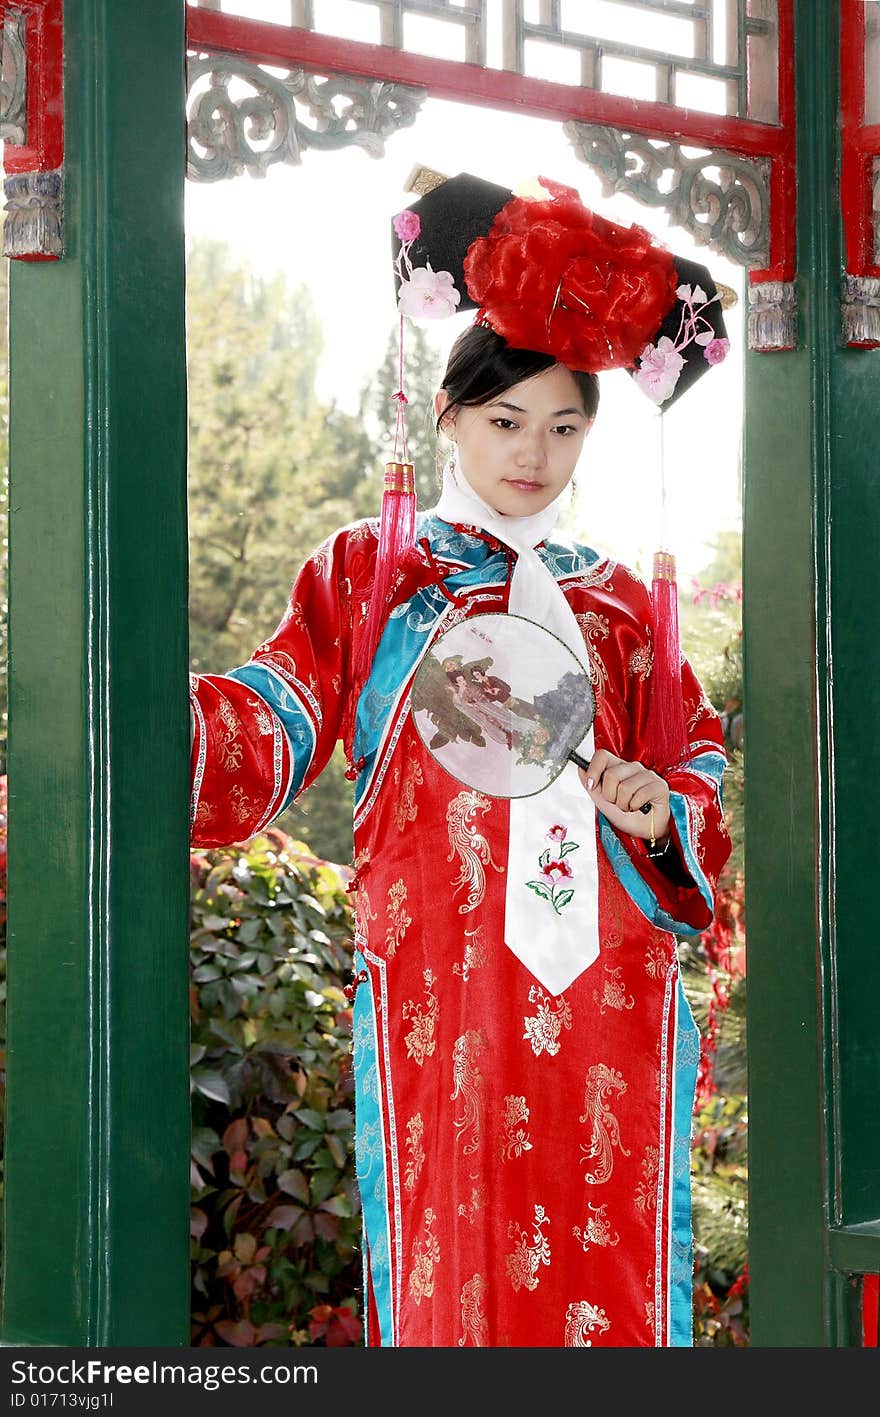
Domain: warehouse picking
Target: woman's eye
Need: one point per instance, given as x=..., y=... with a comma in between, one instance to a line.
x=565, y=429
x=503, y=423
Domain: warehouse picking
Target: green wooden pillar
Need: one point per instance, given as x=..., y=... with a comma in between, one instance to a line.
x=812, y=522
x=97, y=1130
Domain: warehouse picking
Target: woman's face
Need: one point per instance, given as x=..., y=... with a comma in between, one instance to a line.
x=520, y=451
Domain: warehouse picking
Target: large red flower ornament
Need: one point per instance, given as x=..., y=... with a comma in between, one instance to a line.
x=554, y=277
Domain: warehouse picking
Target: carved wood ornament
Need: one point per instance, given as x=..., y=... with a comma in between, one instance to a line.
x=32, y=128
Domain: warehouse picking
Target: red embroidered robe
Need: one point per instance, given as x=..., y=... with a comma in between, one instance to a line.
x=523, y=1159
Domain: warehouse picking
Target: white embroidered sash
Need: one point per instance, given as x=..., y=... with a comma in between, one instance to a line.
x=553, y=930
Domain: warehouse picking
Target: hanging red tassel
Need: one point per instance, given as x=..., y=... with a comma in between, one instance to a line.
x=666, y=730
x=397, y=536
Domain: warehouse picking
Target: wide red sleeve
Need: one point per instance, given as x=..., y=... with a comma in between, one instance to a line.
x=679, y=894
x=264, y=731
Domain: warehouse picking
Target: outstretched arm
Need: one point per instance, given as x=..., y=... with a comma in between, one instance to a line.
x=264, y=731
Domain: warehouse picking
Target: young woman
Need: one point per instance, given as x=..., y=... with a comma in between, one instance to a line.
x=524, y=1054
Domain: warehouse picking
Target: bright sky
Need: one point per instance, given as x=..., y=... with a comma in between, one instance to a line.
x=326, y=223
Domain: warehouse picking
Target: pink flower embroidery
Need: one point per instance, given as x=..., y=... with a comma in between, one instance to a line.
x=550, y=884
x=428, y=294
x=556, y=871
x=660, y=367
x=407, y=224
x=716, y=350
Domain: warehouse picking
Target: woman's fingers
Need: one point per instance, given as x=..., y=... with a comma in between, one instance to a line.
x=628, y=786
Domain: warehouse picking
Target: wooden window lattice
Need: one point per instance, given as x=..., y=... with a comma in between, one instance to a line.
x=727, y=49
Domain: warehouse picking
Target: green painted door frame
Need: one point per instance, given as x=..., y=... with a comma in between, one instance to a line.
x=96, y=1195
x=812, y=687
x=96, y=1199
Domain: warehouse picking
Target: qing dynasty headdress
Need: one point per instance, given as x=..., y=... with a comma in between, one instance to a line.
x=548, y=274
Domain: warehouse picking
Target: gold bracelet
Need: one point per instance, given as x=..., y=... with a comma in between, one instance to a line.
x=653, y=838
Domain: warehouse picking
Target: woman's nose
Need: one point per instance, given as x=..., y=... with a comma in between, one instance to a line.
x=531, y=451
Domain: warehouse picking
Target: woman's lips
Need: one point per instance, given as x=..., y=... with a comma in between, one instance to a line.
x=523, y=484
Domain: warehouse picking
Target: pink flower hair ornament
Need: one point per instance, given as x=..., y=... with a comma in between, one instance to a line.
x=423, y=293
x=660, y=364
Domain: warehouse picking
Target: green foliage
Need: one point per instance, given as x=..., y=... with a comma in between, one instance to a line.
x=713, y=975
x=272, y=469
x=422, y=375
x=275, y=1207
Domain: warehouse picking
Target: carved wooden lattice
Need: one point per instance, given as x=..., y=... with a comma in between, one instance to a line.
x=711, y=136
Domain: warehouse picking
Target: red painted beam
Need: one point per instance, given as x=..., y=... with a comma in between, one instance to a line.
x=263, y=43
x=215, y=32
x=783, y=175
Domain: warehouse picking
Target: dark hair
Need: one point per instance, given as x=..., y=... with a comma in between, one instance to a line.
x=482, y=365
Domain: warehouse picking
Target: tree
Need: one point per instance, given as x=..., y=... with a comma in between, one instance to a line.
x=422, y=375
x=272, y=472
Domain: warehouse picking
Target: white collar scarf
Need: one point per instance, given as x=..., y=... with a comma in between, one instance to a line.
x=554, y=945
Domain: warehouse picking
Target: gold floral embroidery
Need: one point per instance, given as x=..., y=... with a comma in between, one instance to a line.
x=468, y=1082
x=595, y=627
x=472, y=849
x=699, y=826
x=321, y=559
x=477, y=1202
x=415, y=1129
x=363, y=912
x=543, y=1030
x=605, y=1128
x=646, y=1191
x=399, y=920
x=242, y=805
x=262, y=716
x=641, y=661
x=650, y=1312
x=613, y=994
x=420, y=1041
x=597, y=1229
x=522, y=1264
x=582, y=1318
x=656, y=961
x=424, y=1257
x=474, y=1323
x=695, y=710
x=516, y=1139
x=475, y=954
x=229, y=750
x=406, y=808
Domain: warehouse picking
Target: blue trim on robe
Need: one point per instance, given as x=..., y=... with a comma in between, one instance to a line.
x=369, y=1148
x=681, y=1243
x=708, y=765
x=284, y=703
